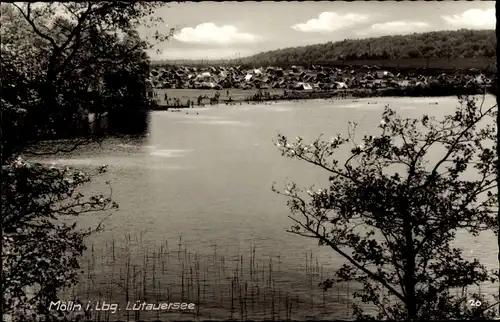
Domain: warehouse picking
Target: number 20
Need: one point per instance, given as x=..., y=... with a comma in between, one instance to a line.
x=475, y=303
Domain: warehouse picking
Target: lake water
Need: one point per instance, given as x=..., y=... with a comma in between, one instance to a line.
x=202, y=178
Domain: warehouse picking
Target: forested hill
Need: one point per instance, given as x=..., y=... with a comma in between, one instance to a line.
x=431, y=45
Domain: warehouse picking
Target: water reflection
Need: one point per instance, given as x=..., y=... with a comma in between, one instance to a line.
x=128, y=122
x=217, y=185
x=169, y=153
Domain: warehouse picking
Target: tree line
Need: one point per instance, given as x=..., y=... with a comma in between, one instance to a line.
x=462, y=43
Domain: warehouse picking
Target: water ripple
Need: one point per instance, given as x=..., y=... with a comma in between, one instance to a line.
x=169, y=153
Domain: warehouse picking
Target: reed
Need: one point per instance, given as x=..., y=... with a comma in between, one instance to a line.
x=245, y=287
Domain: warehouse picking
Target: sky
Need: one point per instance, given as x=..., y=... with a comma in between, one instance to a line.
x=222, y=30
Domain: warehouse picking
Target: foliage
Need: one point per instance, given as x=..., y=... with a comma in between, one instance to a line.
x=59, y=61
x=41, y=247
x=392, y=212
x=439, y=44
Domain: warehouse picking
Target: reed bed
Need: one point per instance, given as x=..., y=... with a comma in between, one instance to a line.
x=224, y=287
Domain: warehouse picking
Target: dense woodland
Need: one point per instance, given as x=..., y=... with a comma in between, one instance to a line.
x=439, y=45
x=53, y=76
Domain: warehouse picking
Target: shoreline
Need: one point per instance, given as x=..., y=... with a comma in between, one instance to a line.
x=265, y=97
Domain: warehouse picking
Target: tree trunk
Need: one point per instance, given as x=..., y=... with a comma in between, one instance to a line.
x=495, y=89
x=409, y=277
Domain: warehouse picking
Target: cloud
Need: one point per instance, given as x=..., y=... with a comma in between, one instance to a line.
x=473, y=18
x=330, y=21
x=395, y=28
x=209, y=33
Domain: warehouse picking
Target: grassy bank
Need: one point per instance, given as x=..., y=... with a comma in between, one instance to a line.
x=239, y=95
x=192, y=94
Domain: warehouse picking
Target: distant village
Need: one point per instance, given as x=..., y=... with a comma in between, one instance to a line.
x=316, y=78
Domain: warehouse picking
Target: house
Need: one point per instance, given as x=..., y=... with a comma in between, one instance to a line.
x=302, y=86
x=379, y=83
x=481, y=79
x=404, y=83
x=341, y=85
x=204, y=77
x=388, y=74
x=383, y=74
x=208, y=85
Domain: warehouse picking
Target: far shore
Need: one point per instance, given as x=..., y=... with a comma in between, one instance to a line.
x=186, y=98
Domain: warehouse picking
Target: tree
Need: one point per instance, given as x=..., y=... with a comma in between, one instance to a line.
x=55, y=53
x=40, y=245
x=392, y=214
x=58, y=62
x=494, y=89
